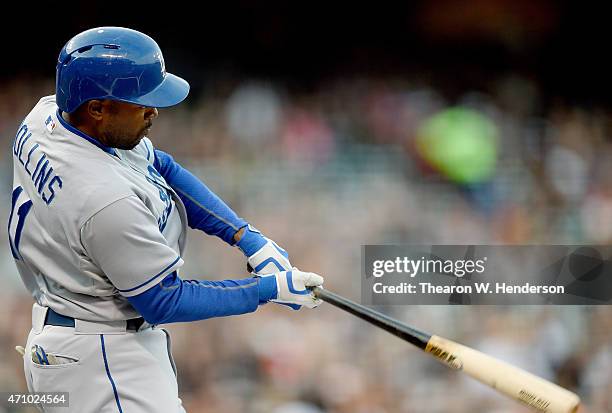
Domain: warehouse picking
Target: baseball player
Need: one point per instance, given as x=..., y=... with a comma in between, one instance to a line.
x=97, y=229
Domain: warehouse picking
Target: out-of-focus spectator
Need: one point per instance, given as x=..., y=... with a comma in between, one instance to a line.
x=336, y=165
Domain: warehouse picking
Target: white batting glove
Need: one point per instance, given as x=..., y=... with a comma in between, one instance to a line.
x=264, y=256
x=269, y=259
x=290, y=288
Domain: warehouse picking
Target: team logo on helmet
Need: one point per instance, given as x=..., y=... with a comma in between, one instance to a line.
x=159, y=56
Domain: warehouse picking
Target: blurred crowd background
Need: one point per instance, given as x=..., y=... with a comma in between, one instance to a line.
x=485, y=122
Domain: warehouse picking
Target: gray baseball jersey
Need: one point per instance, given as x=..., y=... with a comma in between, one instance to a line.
x=89, y=225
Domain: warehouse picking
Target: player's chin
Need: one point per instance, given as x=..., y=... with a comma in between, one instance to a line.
x=143, y=133
x=130, y=145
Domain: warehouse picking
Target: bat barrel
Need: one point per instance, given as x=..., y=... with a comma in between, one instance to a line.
x=526, y=388
x=533, y=391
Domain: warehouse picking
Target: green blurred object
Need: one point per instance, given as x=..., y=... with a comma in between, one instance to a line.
x=460, y=144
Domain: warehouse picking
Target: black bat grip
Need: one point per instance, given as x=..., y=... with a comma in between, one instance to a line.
x=393, y=326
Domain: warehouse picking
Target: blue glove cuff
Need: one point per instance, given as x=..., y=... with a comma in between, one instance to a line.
x=251, y=241
x=267, y=288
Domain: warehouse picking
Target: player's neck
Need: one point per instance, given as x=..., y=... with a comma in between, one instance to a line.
x=83, y=127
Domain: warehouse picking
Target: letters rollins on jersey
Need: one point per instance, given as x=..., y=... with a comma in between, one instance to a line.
x=42, y=176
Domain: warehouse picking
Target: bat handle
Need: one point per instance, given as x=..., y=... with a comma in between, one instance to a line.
x=411, y=335
x=329, y=297
x=319, y=292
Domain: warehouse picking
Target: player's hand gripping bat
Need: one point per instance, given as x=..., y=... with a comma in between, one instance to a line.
x=522, y=386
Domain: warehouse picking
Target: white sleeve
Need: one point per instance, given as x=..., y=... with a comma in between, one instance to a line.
x=124, y=241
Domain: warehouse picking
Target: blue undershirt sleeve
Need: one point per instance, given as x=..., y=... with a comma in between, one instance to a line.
x=205, y=210
x=176, y=300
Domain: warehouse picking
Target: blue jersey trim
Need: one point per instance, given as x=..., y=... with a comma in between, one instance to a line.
x=148, y=151
x=74, y=130
x=108, y=373
x=152, y=278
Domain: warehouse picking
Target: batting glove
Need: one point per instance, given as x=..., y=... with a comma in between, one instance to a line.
x=264, y=256
x=290, y=288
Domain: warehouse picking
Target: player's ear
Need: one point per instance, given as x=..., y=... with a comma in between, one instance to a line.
x=95, y=108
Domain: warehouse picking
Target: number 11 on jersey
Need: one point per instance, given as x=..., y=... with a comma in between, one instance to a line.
x=22, y=212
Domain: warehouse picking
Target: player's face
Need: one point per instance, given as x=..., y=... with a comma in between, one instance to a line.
x=124, y=124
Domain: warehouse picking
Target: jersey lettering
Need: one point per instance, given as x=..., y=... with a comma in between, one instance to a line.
x=63, y=189
x=46, y=183
x=56, y=180
x=164, y=196
x=22, y=213
x=21, y=133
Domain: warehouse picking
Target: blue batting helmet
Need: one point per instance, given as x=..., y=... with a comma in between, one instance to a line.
x=115, y=63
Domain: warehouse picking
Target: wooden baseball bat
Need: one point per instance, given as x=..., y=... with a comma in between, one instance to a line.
x=520, y=385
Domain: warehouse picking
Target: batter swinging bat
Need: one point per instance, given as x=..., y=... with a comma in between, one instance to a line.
x=525, y=387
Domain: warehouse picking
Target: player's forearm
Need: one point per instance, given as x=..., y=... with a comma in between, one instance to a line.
x=205, y=210
x=176, y=300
